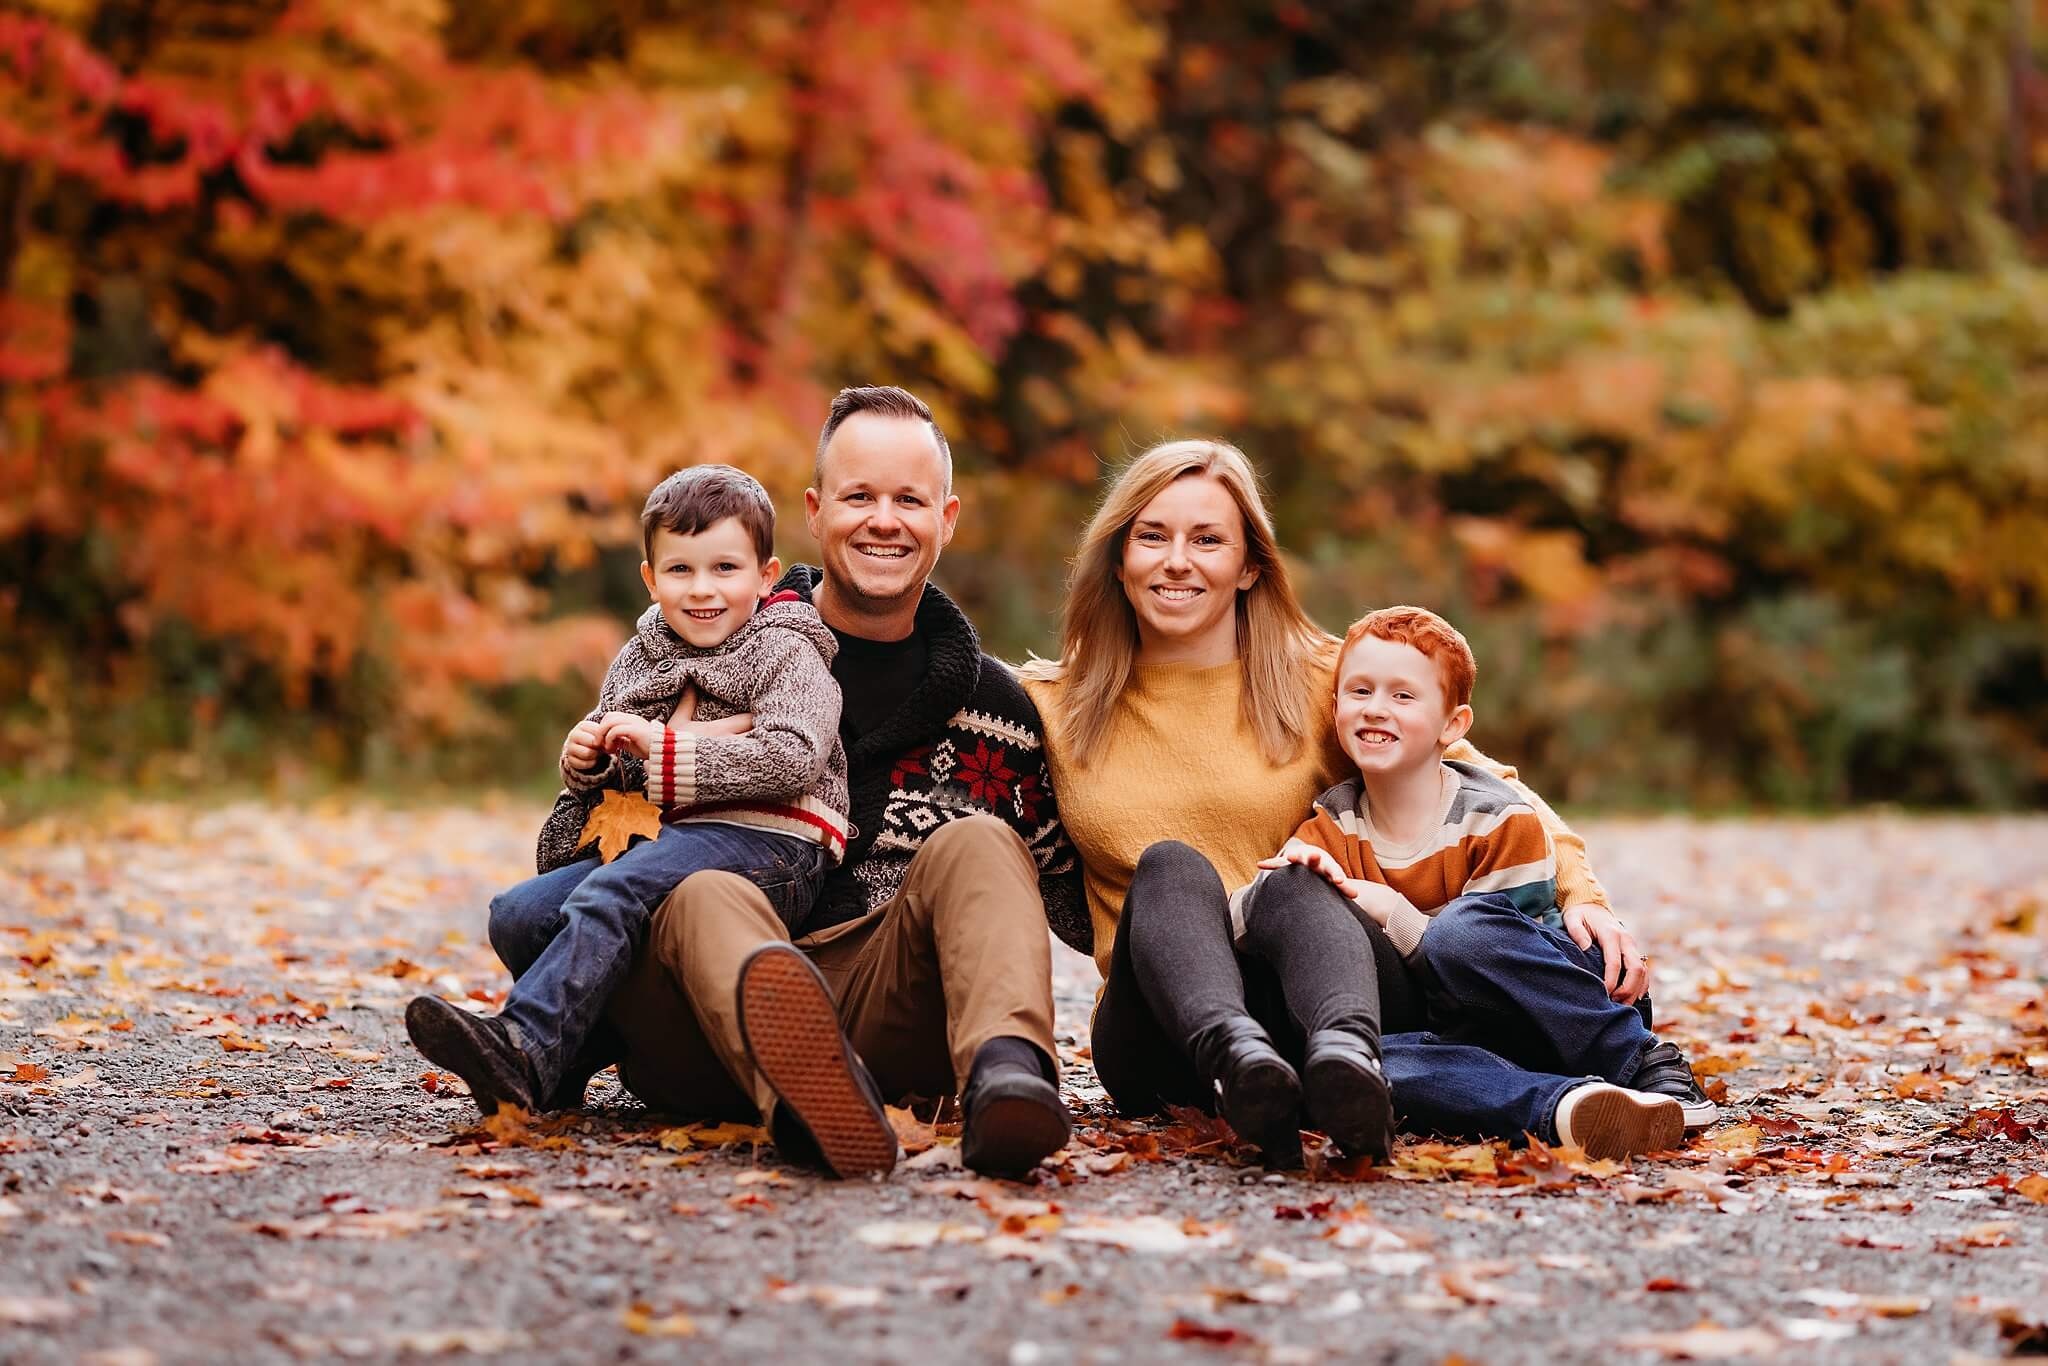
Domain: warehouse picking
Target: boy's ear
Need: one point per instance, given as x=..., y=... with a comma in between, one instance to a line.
x=771, y=572
x=647, y=577
x=1455, y=726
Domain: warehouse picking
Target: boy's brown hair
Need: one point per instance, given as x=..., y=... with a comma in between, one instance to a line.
x=1429, y=633
x=690, y=500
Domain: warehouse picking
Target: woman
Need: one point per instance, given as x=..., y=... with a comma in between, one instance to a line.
x=1188, y=727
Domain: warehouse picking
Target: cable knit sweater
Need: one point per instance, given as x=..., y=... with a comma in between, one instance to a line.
x=787, y=774
x=1179, y=763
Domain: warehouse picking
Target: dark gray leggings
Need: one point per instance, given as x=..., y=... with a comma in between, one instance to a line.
x=1307, y=963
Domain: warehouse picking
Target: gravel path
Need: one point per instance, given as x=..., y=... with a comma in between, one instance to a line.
x=216, y=1145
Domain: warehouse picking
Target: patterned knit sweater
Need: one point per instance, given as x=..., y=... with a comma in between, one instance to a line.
x=787, y=774
x=965, y=740
x=1486, y=839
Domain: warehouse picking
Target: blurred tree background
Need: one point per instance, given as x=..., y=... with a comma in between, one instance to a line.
x=1692, y=354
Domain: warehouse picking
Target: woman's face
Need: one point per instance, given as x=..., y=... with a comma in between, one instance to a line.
x=1184, y=564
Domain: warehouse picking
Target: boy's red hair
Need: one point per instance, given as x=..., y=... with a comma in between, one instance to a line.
x=1429, y=633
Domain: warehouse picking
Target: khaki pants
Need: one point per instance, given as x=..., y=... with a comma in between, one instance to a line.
x=960, y=955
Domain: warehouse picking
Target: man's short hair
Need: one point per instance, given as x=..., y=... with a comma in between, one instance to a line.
x=889, y=401
x=1429, y=633
x=690, y=500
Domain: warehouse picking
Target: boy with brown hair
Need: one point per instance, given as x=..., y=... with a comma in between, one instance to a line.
x=1456, y=872
x=723, y=710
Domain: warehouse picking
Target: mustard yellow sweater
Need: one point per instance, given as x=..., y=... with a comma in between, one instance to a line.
x=1180, y=764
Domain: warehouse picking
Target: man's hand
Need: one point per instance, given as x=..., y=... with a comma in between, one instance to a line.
x=1627, y=970
x=625, y=733
x=724, y=725
x=584, y=749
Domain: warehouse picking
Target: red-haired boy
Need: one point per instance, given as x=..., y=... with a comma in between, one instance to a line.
x=1454, y=870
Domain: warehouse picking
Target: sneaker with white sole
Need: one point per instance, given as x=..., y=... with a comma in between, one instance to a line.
x=1662, y=1070
x=1611, y=1121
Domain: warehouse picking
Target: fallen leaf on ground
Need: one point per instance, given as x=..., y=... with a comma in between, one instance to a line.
x=1705, y=1342
x=1187, y=1330
x=640, y=1319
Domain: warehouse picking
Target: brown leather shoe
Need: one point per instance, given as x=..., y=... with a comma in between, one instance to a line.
x=791, y=1031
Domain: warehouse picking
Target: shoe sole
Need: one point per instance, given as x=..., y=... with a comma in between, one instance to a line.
x=1621, y=1123
x=438, y=1031
x=1014, y=1133
x=1699, y=1113
x=1263, y=1107
x=1353, y=1105
x=792, y=1033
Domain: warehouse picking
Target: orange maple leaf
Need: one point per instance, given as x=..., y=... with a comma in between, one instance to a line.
x=615, y=820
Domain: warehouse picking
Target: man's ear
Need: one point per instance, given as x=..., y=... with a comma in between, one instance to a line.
x=1455, y=727
x=647, y=577
x=813, y=504
x=771, y=571
x=949, y=516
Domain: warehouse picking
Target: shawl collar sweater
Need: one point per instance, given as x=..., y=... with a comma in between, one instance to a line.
x=966, y=740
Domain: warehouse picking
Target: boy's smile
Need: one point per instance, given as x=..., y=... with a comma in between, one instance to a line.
x=1392, y=712
x=707, y=582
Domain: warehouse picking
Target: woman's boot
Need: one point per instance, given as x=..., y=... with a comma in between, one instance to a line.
x=1348, y=1095
x=1261, y=1095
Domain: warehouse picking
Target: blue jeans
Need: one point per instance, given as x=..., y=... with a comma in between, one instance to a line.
x=570, y=936
x=1500, y=981
x=1444, y=1087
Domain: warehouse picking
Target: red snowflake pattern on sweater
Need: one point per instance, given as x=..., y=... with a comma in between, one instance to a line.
x=987, y=777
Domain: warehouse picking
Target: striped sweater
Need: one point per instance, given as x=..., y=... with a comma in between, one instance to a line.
x=1487, y=839
x=787, y=774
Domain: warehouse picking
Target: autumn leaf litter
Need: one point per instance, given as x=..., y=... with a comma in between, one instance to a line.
x=216, y=1139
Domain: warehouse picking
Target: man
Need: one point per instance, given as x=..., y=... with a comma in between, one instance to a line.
x=925, y=968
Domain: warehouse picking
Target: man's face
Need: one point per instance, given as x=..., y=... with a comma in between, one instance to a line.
x=881, y=513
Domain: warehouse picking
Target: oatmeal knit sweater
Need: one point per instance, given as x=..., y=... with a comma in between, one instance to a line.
x=787, y=774
x=1179, y=763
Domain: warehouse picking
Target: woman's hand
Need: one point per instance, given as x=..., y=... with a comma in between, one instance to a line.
x=625, y=733
x=1626, y=968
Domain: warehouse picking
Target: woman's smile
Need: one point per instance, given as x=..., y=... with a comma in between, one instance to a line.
x=1184, y=563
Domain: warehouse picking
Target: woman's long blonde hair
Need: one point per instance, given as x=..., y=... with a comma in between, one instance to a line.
x=1276, y=640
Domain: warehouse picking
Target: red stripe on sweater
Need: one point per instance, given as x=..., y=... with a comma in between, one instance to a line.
x=833, y=834
x=668, y=764
x=786, y=595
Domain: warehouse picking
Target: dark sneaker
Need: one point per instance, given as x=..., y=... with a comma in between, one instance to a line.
x=1011, y=1117
x=478, y=1049
x=1610, y=1121
x=1662, y=1070
x=1347, y=1094
x=792, y=1034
